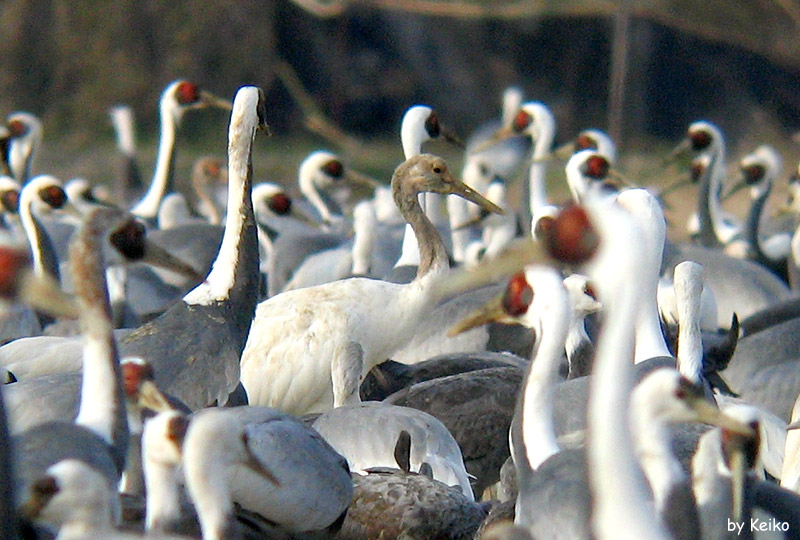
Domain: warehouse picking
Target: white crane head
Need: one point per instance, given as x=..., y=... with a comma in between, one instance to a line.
x=598, y=140
x=530, y=296
x=584, y=169
x=138, y=381
x=44, y=194
x=421, y=124
x=25, y=137
x=71, y=495
x=512, y=101
x=128, y=239
x=535, y=120
x=759, y=168
x=703, y=136
x=81, y=195
x=669, y=396
x=428, y=173
x=163, y=436
x=271, y=201
x=582, y=295
x=9, y=195
x=181, y=95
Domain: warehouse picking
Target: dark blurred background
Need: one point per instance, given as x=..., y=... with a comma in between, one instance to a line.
x=365, y=61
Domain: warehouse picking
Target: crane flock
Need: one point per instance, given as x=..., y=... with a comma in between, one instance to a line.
x=348, y=358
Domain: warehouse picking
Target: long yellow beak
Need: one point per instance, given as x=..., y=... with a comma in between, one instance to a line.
x=495, y=138
x=150, y=397
x=457, y=187
x=492, y=311
x=44, y=294
x=207, y=99
x=158, y=256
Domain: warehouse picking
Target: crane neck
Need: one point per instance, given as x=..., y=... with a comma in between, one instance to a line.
x=21, y=154
x=537, y=174
x=646, y=211
x=88, y=521
x=688, y=290
x=754, y=223
x=653, y=436
x=102, y=405
x=164, y=173
x=538, y=395
x=206, y=465
x=163, y=505
x=45, y=260
x=432, y=251
x=235, y=273
x=714, y=231
x=364, y=223
x=619, y=494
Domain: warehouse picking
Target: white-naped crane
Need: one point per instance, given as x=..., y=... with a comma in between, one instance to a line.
x=195, y=345
x=25, y=140
x=268, y=463
x=309, y=349
x=177, y=98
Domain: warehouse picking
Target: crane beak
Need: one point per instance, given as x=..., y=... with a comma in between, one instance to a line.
x=451, y=137
x=158, y=256
x=680, y=149
x=150, y=397
x=564, y=151
x=737, y=187
x=359, y=179
x=461, y=189
x=207, y=99
x=44, y=294
x=710, y=414
x=510, y=261
x=794, y=425
x=71, y=210
x=675, y=185
x=497, y=137
x=477, y=220
x=616, y=175
x=301, y=216
x=492, y=311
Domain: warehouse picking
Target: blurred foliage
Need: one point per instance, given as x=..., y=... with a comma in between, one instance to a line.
x=70, y=61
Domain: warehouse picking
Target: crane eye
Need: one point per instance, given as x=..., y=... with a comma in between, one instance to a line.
x=333, y=168
x=521, y=121
x=753, y=173
x=10, y=200
x=187, y=93
x=17, y=128
x=54, y=196
x=585, y=142
x=432, y=125
x=700, y=140
x=130, y=240
x=518, y=296
x=595, y=167
x=280, y=203
x=589, y=291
